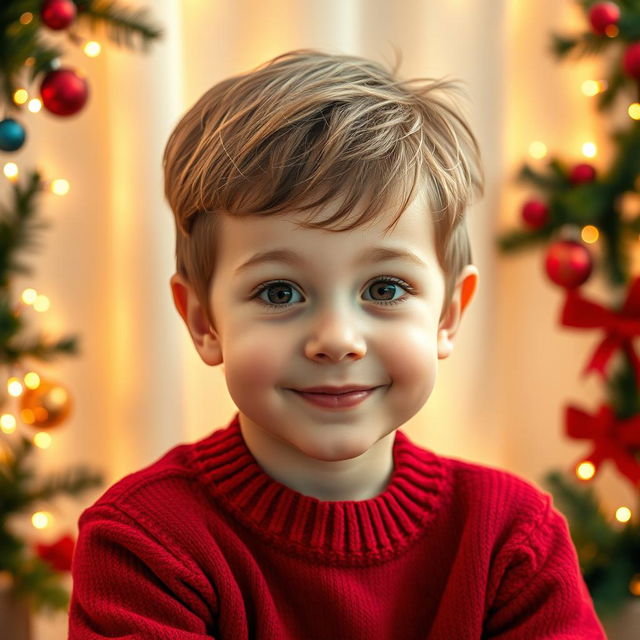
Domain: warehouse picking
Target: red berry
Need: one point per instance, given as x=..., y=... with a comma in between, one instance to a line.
x=535, y=213
x=582, y=173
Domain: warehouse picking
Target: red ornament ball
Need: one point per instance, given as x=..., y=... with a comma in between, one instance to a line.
x=64, y=92
x=535, y=213
x=568, y=263
x=58, y=14
x=631, y=60
x=603, y=15
x=582, y=173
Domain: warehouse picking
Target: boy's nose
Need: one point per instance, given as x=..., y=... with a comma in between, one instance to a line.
x=335, y=337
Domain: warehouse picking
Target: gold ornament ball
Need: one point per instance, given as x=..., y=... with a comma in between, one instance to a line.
x=46, y=406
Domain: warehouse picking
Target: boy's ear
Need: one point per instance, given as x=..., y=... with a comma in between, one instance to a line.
x=462, y=295
x=203, y=335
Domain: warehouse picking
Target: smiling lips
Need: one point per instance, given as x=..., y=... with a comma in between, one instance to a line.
x=336, y=397
x=336, y=390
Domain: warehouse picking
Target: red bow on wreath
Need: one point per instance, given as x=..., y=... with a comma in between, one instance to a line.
x=620, y=327
x=613, y=439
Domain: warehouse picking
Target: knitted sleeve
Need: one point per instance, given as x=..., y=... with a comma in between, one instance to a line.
x=540, y=592
x=127, y=583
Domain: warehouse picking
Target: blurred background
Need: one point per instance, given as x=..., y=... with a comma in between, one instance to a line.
x=137, y=385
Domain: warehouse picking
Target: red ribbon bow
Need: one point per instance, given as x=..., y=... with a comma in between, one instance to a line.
x=612, y=439
x=59, y=554
x=620, y=327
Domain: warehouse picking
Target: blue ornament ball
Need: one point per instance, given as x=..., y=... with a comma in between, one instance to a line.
x=12, y=135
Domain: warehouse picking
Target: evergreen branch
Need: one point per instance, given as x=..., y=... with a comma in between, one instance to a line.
x=20, y=43
x=18, y=227
x=615, y=260
x=586, y=44
x=622, y=390
x=10, y=323
x=11, y=548
x=23, y=42
x=43, y=57
x=15, y=477
x=617, y=81
x=554, y=180
x=70, y=482
x=17, y=490
x=629, y=23
x=562, y=45
x=38, y=582
x=38, y=349
x=586, y=520
x=121, y=24
x=517, y=239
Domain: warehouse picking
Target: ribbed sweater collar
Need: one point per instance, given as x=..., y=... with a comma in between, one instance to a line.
x=345, y=533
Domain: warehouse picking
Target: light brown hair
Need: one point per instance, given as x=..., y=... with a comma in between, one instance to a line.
x=309, y=127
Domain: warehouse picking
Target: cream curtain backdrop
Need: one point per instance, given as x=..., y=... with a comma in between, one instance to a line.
x=139, y=386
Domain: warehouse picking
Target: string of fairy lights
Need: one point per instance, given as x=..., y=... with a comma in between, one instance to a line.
x=41, y=403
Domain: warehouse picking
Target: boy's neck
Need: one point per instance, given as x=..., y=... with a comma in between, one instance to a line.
x=360, y=478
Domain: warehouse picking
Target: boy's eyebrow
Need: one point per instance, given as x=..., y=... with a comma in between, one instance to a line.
x=368, y=256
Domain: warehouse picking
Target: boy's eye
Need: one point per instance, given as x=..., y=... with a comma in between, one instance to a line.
x=384, y=290
x=278, y=293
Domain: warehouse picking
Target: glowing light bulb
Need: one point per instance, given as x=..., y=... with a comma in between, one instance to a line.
x=634, y=110
x=20, y=96
x=32, y=380
x=29, y=296
x=41, y=519
x=14, y=387
x=60, y=187
x=41, y=304
x=92, y=48
x=537, y=149
x=35, y=105
x=623, y=514
x=590, y=234
x=589, y=149
x=611, y=31
x=592, y=88
x=586, y=470
x=634, y=585
x=42, y=440
x=7, y=423
x=10, y=170
x=26, y=17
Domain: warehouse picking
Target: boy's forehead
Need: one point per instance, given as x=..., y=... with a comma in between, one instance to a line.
x=240, y=237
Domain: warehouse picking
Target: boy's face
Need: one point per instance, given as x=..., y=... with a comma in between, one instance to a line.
x=340, y=315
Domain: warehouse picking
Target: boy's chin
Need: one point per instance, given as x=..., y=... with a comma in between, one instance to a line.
x=337, y=449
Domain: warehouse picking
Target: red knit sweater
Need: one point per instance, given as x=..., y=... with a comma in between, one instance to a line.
x=203, y=544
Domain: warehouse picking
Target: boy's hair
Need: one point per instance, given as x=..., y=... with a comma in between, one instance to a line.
x=308, y=127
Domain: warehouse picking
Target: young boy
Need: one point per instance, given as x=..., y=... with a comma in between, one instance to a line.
x=323, y=260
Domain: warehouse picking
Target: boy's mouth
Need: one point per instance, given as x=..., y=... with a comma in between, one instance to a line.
x=337, y=398
x=330, y=390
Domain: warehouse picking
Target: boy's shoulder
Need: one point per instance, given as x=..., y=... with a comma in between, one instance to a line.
x=491, y=494
x=474, y=477
x=172, y=480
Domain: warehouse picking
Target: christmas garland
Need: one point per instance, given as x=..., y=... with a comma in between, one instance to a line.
x=32, y=572
x=575, y=206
